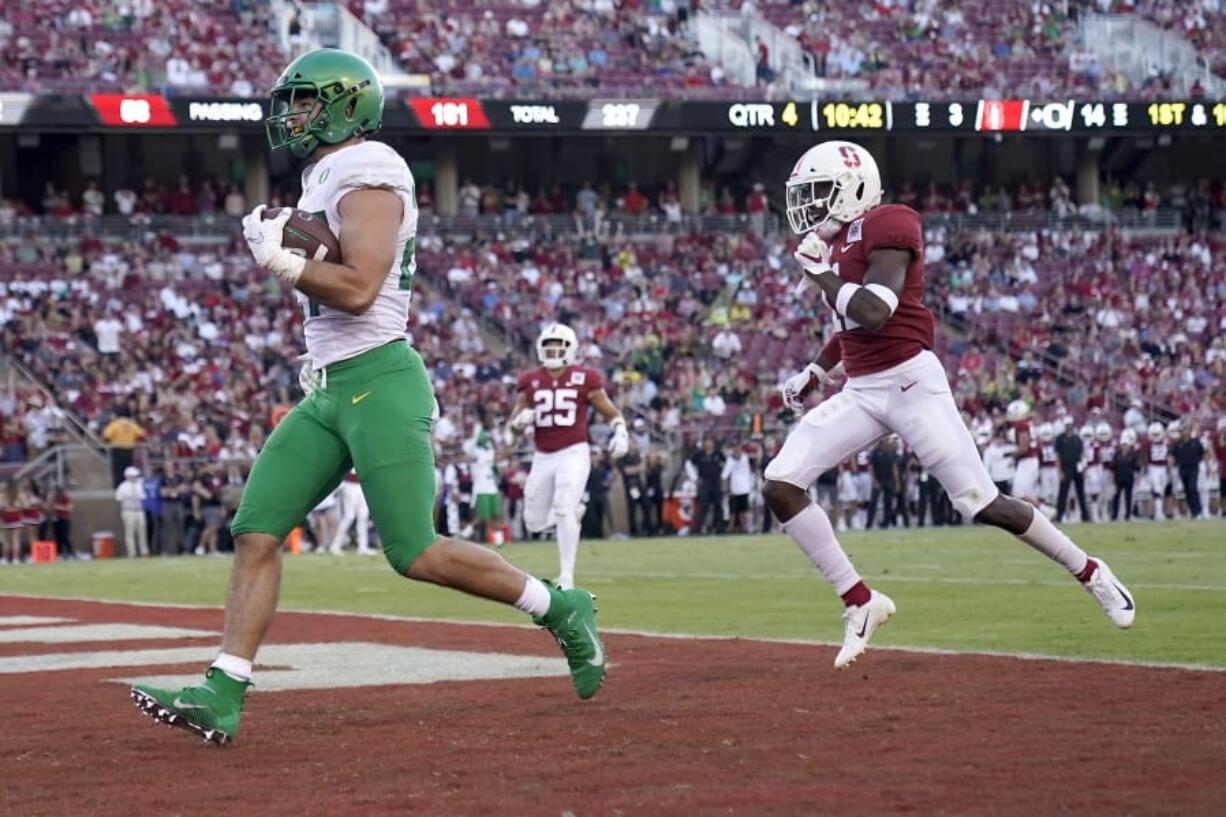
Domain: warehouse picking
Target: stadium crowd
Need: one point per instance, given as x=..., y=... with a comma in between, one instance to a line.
x=1200, y=206
x=203, y=47
x=183, y=353
x=943, y=49
x=585, y=48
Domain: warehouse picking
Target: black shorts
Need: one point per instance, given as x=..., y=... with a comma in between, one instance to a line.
x=738, y=503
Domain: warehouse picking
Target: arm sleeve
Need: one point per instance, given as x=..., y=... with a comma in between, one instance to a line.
x=896, y=228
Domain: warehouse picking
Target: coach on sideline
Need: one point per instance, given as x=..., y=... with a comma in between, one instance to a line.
x=1188, y=452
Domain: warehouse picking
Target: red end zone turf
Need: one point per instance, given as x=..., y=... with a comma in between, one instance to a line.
x=681, y=727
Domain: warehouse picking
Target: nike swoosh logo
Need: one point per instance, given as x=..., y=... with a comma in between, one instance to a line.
x=598, y=659
x=846, y=247
x=863, y=627
x=358, y=398
x=180, y=705
x=1127, y=598
x=909, y=385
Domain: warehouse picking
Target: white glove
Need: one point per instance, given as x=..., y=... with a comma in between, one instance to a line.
x=619, y=443
x=813, y=255
x=522, y=420
x=264, y=238
x=798, y=385
x=307, y=379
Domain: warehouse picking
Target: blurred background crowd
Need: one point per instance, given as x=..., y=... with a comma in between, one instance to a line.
x=133, y=323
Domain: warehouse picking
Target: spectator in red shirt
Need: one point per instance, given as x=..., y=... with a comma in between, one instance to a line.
x=182, y=202
x=635, y=203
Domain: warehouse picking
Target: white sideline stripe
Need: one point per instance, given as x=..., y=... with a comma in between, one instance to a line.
x=310, y=666
x=96, y=632
x=801, y=642
x=27, y=621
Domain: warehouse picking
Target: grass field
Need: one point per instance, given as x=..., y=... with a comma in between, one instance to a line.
x=961, y=589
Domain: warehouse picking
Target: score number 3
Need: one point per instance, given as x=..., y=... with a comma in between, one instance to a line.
x=555, y=408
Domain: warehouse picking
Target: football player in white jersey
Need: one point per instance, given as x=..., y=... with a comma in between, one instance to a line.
x=370, y=407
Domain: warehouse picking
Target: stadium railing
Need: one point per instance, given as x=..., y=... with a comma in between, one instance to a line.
x=204, y=226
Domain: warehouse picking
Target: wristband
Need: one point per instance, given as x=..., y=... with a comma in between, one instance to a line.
x=290, y=269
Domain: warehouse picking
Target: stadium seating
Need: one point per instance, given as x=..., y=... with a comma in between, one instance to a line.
x=201, y=47
x=568, y=48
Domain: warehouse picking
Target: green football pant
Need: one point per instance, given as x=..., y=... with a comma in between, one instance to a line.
x=372, y=413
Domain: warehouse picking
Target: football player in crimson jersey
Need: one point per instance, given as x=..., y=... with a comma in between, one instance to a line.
x=866, y=259
x=554, y=398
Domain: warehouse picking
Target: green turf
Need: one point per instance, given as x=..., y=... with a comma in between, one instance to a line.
x=959, y=589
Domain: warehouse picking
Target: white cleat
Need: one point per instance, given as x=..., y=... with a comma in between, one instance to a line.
x=1112, y=595
x=859, y=624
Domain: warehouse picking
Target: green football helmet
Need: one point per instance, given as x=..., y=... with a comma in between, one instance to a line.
x=347, y=98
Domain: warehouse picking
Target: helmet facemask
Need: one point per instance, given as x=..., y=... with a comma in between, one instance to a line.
x=302, y=127
x=808, y=206
x=554, y=353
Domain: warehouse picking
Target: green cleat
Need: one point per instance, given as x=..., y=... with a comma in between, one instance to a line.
x=211, y=710
x=572, y=622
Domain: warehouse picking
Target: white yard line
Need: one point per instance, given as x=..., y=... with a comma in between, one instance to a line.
x=1023, y=656
x=883, y=577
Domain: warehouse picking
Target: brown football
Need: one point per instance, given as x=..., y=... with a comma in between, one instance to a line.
x=308, y=235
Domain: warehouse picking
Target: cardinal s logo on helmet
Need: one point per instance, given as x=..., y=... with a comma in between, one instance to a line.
x=833, y=184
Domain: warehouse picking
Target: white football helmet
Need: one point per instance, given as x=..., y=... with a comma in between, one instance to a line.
x=1047, y=432
x=1103, y=432
x=1155, y=431
x=1174, y=429
x=557, y=357
x=1128, y=437
x=1086, y=432
x=833, y=184
x=1017, y=411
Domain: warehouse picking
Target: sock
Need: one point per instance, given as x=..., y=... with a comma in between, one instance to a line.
x=237, y=668
x=1047, y=539
x=857, y=595
x=1087, y=572
x=535, y=599
x=810, y=530
x=568, y=544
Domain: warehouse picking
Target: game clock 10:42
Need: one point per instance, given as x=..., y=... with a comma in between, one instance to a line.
x=851, y=116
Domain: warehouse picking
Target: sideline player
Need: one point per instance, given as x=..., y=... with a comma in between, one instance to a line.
x=1156, y=456
x=371, y=406
x=554, y=398
x=1026, y=453
x=867, y=259
x=354, y=511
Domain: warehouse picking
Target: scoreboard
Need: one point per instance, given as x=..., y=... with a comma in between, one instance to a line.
x=987, y=116
x=984, y=116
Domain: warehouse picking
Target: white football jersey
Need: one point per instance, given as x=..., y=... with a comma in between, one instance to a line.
x=485, y=481
x=333, y=335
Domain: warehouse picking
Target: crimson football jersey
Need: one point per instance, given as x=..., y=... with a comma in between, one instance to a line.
x=560, y=404
x=1047, y=455
x=1154, y=453
x=909, y=330
x=1024, y=450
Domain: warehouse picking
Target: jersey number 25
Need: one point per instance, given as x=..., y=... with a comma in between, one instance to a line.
x=555, y=408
